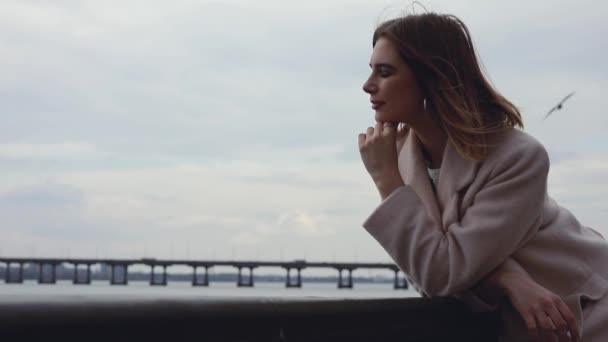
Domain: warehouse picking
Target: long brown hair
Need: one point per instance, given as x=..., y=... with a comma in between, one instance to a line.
x=439, y=50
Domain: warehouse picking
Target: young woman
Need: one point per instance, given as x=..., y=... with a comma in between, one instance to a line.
x=465, y=210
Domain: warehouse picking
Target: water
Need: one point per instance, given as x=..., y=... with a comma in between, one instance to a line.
x=183, y=290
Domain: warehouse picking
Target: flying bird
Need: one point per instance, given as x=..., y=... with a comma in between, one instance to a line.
x=558, y=106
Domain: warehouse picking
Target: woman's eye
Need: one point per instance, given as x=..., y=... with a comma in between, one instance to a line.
x=384, y=72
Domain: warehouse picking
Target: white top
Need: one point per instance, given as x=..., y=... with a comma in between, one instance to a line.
x=434, y=174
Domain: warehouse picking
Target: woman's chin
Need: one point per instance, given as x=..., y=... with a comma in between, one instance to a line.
x=382, y=117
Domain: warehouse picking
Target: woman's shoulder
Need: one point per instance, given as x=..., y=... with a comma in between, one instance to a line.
x=516, y=146
x=516, y=138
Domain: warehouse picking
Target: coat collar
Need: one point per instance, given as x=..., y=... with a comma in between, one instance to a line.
x=456, y=174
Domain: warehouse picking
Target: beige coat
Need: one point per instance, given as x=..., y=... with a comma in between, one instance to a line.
x=484, y=213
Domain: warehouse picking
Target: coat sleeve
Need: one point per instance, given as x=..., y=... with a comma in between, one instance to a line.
x=479, y=302
x=505, y=211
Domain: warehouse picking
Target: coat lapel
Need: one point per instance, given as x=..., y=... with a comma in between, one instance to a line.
x=414, y=173
x=456, y=174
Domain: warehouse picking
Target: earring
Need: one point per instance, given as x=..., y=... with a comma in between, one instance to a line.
x=424, y=104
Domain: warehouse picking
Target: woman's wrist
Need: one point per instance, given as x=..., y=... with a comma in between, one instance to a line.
x=500, y=284
x=508, y=282
x=388, y=183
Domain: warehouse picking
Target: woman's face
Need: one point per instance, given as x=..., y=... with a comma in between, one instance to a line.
x=394, y=93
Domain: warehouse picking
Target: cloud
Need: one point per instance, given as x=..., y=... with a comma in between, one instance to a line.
x=303, y=224
x=296, y=223
x=247, y=239
x=52, y=210
x=43, y=196
x=62, y=151
x=577, y=183
x=559, y=155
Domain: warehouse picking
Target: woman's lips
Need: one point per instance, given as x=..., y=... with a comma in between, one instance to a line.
x=377, y=105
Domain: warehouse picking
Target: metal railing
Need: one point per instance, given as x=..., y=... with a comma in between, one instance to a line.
x=72, y=318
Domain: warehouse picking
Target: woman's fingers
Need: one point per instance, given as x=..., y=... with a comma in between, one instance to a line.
x=547, y=330
x=389, y=128
x=378, y=129
x=361, y=140
x=384, y=128
x=561, y=327
x=369, y=132
x=570, y=321
x=552, y=321
x=532, y=327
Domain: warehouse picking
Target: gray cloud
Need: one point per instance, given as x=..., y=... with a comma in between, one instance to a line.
x=51, y=210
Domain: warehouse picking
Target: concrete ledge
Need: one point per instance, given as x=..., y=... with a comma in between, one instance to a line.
x=72, y=318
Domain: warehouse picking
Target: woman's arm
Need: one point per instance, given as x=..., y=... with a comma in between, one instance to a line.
x=493, y=289
x=545, y=314
x=506, y=212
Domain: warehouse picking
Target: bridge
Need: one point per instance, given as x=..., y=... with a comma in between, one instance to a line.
x=119, y=269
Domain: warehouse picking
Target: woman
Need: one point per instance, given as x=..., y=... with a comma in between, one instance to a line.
x=465, y=210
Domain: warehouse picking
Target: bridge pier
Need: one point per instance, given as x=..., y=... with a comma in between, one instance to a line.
x=41, y=278
x=400, y=284
x=7, y=276
x=163, y=281
x=243, y=282
x=349, y=281
x=124, y=273
x=289, y=282
x=87, y=278
x=205, y=281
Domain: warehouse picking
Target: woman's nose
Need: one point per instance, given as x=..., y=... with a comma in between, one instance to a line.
x=369, y=87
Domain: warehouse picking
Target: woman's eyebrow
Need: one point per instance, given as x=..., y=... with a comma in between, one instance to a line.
x=382, y=65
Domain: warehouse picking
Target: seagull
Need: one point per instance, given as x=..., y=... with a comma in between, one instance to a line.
x=558, y=106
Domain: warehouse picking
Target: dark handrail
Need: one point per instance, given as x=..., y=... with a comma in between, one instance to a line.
x=70, y=318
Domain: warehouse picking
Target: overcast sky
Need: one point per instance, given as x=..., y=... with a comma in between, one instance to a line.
x=228, y=129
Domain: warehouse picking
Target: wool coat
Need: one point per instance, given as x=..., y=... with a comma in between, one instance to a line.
x=486, y=213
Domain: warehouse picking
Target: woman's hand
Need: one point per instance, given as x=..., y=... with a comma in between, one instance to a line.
x=547, y=317
x=379, y=154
